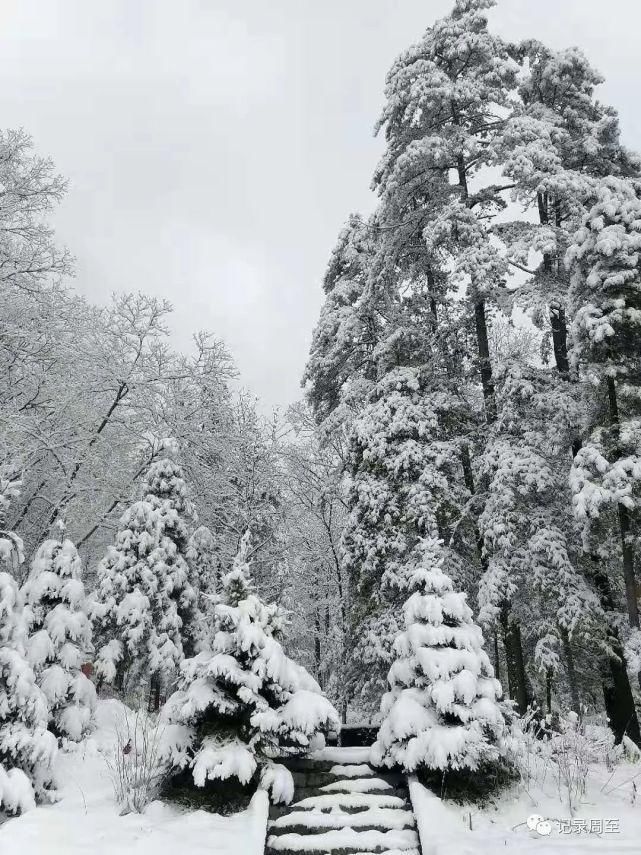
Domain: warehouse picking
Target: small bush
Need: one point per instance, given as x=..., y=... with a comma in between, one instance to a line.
x=464, y=786
x=136, y=771
x=222, y=797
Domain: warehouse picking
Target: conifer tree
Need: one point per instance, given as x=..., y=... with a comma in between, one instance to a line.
x=447, y=100
x=340, y=368
x=27, y=748
x=442, y=710
x=60, y=636
x=245, y=700
x=405, y=481
x=145, y=604
x=204, y=559
x=527, y=528
x=606, y=308
x=557, y=143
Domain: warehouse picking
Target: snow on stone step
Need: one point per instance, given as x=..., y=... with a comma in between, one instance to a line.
x=394, y=852
x=346, y=838
x=342, y=755
x=349, y=800
x=360, y=770
x=357, y=785
x=386, y=818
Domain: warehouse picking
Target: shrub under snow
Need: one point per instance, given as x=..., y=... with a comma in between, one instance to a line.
x=442, y=710
x=60, y=636
x=244, y=701
x=27, y=748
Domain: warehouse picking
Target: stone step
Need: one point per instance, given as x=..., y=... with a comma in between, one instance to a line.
x=326, y=801
x=381, y=819
x=343, y=806
x=344, y=840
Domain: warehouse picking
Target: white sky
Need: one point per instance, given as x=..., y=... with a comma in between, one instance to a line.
x=215, y=147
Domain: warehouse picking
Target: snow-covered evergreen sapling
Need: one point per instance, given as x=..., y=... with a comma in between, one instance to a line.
x=145, y=604
x=442, y=710
x=60, y=636
x=203, y=557
x=27, y=748
x=244, y=702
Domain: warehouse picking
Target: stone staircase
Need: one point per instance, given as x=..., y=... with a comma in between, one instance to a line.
x=342, y=806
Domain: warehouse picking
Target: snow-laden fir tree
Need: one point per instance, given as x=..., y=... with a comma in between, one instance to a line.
x=606, y=329
x=60, y=636
x=204, y=559
x=244, y=701
x=145, y=606
x=340, y=367
x=445, y=100
x=405, y=480
x=442, y=710
x=531, y=558
x=27, y=748
x=448, y=98
x=557, y=143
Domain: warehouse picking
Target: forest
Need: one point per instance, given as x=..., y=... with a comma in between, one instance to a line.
x=440, y=541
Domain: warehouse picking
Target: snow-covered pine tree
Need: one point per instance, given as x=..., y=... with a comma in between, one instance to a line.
x=27, y=748
x=444, y=100
x=405, y=480
x=447, y=100
x=606, y=327
x=442, y=710
x=556, y=146
x=340, y=368
x=244, y=701
x=527, y=529
x=558, y=141
x=145, y=607
x=204, y=559
x=60, y=636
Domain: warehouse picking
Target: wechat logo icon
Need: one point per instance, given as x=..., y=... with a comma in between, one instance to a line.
x=539, y=824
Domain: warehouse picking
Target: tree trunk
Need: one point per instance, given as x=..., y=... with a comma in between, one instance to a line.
x=558, y=321
x=317, y=645
x=548, y=691
x=617, y=692
x=571, y=671
x=559, y=325
x=619, y=702
x=515, y=660
x=497, y=658
x=484, y=362
x=154, y=693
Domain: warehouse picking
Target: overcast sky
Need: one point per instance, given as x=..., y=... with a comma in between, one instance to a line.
x=214, y=148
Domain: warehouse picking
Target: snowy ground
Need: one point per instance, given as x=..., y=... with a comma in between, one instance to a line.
x=86, y=822
x=445, y=828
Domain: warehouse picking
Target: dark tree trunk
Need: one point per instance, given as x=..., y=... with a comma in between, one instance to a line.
x=571, y=671
x=317, y=645
x=485, y=364
x=619, y=702
x=617, y=692
x=515, y=660
x=558, y=321
x=154, y=693
x=497, y=658
x=548, y=691
x=559, y=325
